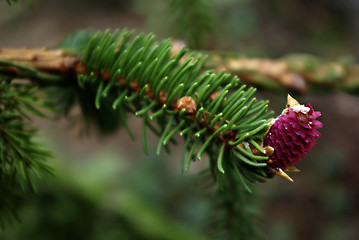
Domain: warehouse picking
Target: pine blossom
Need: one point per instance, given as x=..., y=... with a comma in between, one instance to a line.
x=292, y=134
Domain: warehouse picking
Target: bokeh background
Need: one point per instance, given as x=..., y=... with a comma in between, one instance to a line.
x=106, y=188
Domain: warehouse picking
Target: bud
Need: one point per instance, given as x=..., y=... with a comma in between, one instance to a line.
x=292, y=134
x=188, y=104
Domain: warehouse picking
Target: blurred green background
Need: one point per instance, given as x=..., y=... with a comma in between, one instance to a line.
x=106, y=188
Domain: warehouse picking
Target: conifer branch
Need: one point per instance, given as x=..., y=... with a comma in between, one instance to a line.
x=167, y=86
x=117, y=74
x=238, y=215
x=22, y=160
x=300, y=73
x=44, y=60
x=208, y=109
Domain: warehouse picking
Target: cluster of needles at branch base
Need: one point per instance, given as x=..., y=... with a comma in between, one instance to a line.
x=292, y=135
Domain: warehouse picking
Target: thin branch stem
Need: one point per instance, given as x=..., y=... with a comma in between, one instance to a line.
x=50, y=66
x=28, y=72
x=296, y=72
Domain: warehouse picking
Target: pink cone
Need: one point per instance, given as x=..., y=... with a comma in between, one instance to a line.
x=292, y=135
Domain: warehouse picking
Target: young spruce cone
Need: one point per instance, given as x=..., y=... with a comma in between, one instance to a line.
x=292, y=135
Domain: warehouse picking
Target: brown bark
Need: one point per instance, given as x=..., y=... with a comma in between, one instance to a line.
x=52, y=61
x=296, y=72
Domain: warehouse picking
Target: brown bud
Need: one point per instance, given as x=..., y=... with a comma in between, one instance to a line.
x=134, y=85
x=105, y=75
x=255, y=151
x=213, y=96
x=187, y=103
x=163, y=97
x=81, y=68
x=150, y=93
x=269, y=150
x=121, y=81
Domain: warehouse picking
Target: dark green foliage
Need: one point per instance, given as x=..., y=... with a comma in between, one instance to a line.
x=106, y=118
x=22, y=160
x=76, y=43
x=10, y=201
x=141, y=77
x=237, y=215
x=111, y=201
x=10, y=2
x=192, y=20
x=29, y=72
x=68, y=95
x=122, y=75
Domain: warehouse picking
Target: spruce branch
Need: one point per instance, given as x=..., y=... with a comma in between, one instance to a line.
x=141, y=77
x=238, y=216
x=210, y=110
x=124, y=75
x=22, y=160
x=299, y=73
x=37, y=63
x=120, y=73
